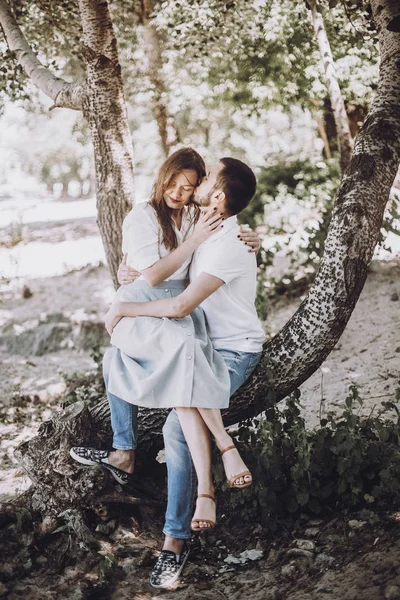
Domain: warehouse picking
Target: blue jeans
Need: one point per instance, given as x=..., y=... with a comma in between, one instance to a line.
x=181, y=474
x=124, y=421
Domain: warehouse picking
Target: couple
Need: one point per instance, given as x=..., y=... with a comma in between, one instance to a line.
x=177, y=361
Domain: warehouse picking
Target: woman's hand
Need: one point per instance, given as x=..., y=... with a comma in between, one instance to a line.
x=250, y=238
x=209, y=223
x=113, y=317
x=126, y=274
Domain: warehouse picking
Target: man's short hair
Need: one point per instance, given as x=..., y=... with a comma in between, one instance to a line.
x=238, y=183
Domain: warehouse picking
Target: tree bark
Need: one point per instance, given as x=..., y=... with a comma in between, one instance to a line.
x=104, y=108
x=345, y=141
x=64, y=94
x=102, y=101
x=167, y=129
x=309, y=336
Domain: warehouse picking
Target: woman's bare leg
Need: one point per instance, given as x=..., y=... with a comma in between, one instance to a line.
x=198, y=439
x=233, y=463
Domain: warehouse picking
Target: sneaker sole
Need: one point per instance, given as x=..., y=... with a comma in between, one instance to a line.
x=83, y=461
x=175, y=577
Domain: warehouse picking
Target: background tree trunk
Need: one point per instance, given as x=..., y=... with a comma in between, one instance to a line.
x=345, y=142
x=102, y=100
x=104, y=108
x=152, y=47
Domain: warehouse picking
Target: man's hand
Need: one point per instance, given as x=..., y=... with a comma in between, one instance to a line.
x=126, y=274
x=112, y=317
x=250, y=238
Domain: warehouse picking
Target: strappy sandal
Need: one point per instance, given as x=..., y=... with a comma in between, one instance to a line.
x=198, y=521
x=232, y=478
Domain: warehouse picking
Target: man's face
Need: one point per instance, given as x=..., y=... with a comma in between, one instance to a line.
x=205, y=193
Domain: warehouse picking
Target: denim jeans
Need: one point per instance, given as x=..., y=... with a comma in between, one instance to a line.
x=181, y=474
x=124, y=419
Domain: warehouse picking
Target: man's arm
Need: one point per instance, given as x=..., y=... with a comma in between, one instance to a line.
x=174, y=308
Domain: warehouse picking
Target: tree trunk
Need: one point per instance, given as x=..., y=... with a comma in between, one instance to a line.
x=102, y=101
x=309, y=336
x=104, y=108
x=321, y=128
x=345, y=142
x=152, y=47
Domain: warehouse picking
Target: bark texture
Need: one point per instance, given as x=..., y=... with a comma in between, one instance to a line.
x=64, y=94
x=102, y=100
x=308, y=337
x=152, y=47
x=104, y=108
x=345, y=142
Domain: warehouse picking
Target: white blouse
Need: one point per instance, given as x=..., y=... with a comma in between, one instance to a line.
x=142, y=239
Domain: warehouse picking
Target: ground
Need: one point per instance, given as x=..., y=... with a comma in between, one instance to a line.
x=48, y=325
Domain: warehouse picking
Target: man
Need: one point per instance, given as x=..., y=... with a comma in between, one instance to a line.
x=223, y=282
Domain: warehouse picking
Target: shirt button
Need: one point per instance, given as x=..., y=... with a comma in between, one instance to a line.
x=166, y=290
x=183, y=325
x=189, y=334
x=188, y=357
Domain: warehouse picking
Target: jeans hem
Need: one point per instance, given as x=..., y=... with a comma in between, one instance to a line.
x=123, y=447
x=178, y=536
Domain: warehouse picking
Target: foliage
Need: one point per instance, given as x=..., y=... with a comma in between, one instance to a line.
x=347, y=462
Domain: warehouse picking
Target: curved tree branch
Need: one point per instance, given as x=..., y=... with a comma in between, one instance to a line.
x=64, y=94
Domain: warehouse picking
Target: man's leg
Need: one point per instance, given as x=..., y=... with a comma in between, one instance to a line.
x=181, y=485
x=124, y=426
x=123, y=423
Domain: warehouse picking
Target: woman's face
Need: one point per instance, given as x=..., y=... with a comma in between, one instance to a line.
x=180, y=189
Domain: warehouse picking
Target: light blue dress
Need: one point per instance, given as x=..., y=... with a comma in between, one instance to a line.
x=161, y=362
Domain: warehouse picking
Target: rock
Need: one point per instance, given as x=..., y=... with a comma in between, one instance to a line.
x=392, y=592
x=311, y=532
x=40, y=340
x=27, y=292
x=41, y=560
x=315, y=523
x=3, y=590
x=288, y=570
x=244, y=557
x=324, y=560
x=305, y=545
x=252, y=554
x=355, y=524
x=300, y=553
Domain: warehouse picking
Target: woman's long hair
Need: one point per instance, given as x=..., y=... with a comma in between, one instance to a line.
x=181, y=160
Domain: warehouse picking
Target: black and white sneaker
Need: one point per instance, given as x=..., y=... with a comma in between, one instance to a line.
x=168, y=568
x=91, y=457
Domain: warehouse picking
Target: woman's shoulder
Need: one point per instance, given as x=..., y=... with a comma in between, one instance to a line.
x=142, y=211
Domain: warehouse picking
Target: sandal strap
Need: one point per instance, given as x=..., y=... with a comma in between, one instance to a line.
x=206, y=496
x=232, y=447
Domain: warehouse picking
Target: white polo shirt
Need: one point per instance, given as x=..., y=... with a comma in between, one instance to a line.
x=231, y=315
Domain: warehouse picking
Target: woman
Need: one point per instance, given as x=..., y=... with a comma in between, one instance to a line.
x=160, y=363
